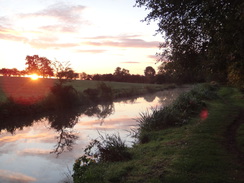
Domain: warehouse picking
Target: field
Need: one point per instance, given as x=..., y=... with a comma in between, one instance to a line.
x=22, y=87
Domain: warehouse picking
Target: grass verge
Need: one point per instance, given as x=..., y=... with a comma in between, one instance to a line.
x=197, y=151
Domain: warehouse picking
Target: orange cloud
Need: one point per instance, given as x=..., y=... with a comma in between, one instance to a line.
x=47, y=44
x=130, y=62
x=7, y=139
x=91, y=51
x=34, y=152
x=14, y=177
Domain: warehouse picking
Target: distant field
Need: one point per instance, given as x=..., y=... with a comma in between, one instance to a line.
x=21, y=87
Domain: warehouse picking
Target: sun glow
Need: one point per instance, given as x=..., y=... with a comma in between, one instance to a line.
x=34, y=76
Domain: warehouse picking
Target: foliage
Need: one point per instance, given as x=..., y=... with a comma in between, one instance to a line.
x=236, y=74
x=63, y=96
x=102, y=93
x=149, y=71
x=110, y=148
x=202, y=37
x=38, y=65
x=63, y=71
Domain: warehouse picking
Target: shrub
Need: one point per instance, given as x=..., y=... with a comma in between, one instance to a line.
x=109, y=149
x=102, y=93
x=62, y=96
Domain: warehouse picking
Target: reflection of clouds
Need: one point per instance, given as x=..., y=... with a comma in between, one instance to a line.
x=34, y=152
x=14, y=177
x=111, y=123
x=7, y=139
x=34, y=143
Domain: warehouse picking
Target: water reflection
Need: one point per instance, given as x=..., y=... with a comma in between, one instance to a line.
x=27, y=142
x=62, y=121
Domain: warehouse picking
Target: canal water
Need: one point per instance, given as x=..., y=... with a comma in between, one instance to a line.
x=43, y=150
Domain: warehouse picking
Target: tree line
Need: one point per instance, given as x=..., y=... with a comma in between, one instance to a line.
x=123, y=75
x=46, y=68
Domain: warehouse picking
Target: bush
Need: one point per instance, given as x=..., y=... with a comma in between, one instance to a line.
x=108, y=149
x=102, y=93
x=62, y=96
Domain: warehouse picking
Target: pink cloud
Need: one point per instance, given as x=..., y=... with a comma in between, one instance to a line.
x=91, y=51
x=47, y=44
x=125, y=42
x=130, y=62
x=61, y=12
x=14, y=177
x=35, y=152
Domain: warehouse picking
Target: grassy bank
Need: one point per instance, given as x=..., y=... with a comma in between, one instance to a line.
x=23, y=96
x=206, y=147
x=20, y=87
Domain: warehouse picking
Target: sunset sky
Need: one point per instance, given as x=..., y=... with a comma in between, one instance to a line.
x=96, y=36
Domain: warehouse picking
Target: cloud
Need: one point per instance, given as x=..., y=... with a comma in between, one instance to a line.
x=8, y=139
x=154, y=57
x=130, y=62
x=123, y=36
x=34, y=152
x=64, y=13
x=10, y=34
x=125, y=43
x=109, y=124
x=44, y=28
x=40, y=43
x=59, y=28
x=14, y=177
x=91, y=51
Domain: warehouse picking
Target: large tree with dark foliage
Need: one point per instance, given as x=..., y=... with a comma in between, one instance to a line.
x=39, y=65
x=204, y=38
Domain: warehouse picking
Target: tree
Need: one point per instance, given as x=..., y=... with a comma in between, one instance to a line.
x=121, y=72
x=202, y=37
x=39, y=65
x=149, y=71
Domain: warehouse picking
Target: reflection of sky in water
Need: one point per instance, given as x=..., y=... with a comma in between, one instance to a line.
x=25, y=156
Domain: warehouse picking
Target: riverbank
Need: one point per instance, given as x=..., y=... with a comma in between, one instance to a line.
x=24, y=88
x=23, y=96
x=208, y=147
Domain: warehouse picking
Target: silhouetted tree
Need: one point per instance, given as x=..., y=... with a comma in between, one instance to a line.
x=149, y=71
x=203, y=38
x=39, y=65
x=85, y=76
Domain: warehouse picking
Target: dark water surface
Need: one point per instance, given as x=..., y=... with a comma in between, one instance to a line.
x=43, y=150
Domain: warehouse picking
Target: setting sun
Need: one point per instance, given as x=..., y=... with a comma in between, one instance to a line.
x=34, y=76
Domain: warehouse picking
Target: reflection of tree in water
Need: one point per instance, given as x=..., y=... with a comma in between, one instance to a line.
x=12, y=124
x=65, y=140
x=150, y=97
x=101, y=111
x=62, y=121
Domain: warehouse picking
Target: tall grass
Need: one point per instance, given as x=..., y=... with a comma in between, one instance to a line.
x=178, y=113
